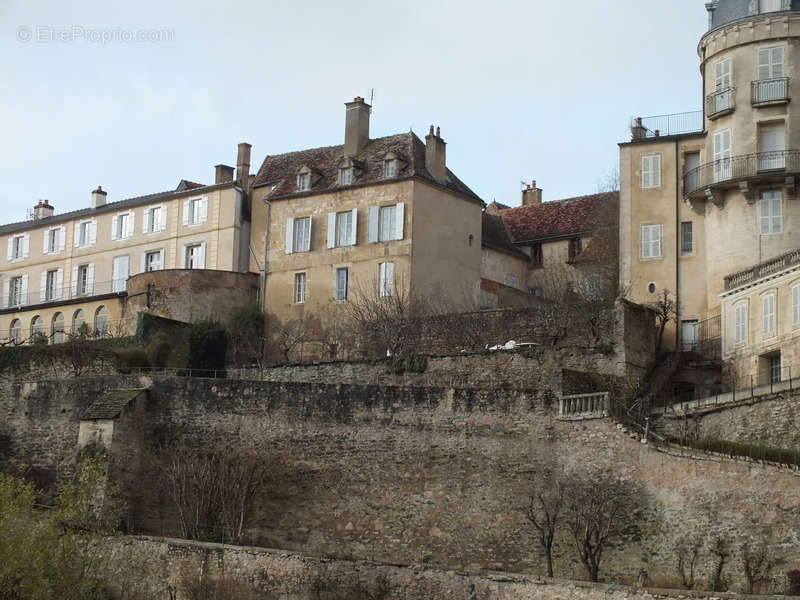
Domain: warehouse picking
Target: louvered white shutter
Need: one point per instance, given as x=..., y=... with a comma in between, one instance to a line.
x=399, y=221
x=93, y=232
x=372, y=224
x=144, y=262
x=76, y=234
x=59, y=291
x=307, y=239
x=353, y=235
x=24, y=296
x=43, y=288
x=114, y=228
x=74, y=281
x=131, y=224
x=289, y=236
x=332, y=230
x=162, y=218
x=161, y=259
x=10, y=248
x=45, y=239
x=90, y=279
x=202, y=260
x=187, y=205
x=203, y=209
x=62, y=238
x=26, y=245
x=6, y=291
x=183, y=257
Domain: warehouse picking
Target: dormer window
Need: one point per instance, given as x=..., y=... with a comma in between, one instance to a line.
x=391, y=165
x=304, y=182
x=346, y=176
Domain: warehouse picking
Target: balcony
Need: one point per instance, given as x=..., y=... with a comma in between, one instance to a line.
x=675, y=124
x=18, y=301
x=720, y=103
x=765, y=167
x=764, y=269
x=769, y=92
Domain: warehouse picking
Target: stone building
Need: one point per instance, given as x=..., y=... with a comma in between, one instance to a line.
x=64, y=271
x=707, y=198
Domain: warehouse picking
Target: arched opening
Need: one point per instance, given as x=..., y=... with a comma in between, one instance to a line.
x=37, y=329
x=101, y=321
x=79, y=323
x=15, y=331
x=57, y=331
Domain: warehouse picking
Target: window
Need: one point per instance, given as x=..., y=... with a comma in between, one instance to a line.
x=651, y=171
x=155, y=219
x=37, y=328
x=691, y=179
x=101, y=320
x=341, y=228
x=154, y=260
x=773, y=144
x=765, y=6
x=54, y=240
x=304, y=182
x=122, y=226
x=79, y=326
x=194, y=256
x=53, y=280
x=740, y=326
x=57, y=329
x=575, y=248
x=722, y=98
x=386, y=279
x=651, y=241
x=385, y=223
x=769, y=209
x=15, y=331
x=722, y=155
x=299, y=288
x=775, y=369
x=120, y=270
x=796, y=305
x=16, y=294
x=510, y=281
x=687, y=238
x=391, y=167
x=195, y=211
x=536, y=255
x=768, y=313
x=18, y=247
x=345, y=175
x=301, y=234
x=770, y=85
x=82, y=282
x=85, y=233
x=342, y=277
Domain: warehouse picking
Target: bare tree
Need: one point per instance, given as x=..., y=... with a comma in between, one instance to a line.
x=687, y=562
x=666, y=308
x=720, y=549
x=544, y=513
x=757, y=563
x=609, y=182
x=287, y=335
x=597, y=508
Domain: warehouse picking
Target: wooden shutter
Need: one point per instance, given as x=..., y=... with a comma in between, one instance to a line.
x=26, y=245
x=90, y=279
x=93, y=232
x=187, y=204
x=331, y=230
x=45, y=239
x=59, y=284
x=399, y=220
x=74, y=281
x=203, y=209
x=162, y=218
x=10, y=248
x=43, y=288
x=144, y=262
x=289, y=235
x=24, y=295
x=202, y=261
x=131, y=225
x=307, y=240
x=6, y=290
x=62, y=238
x=645, y=241
x=161, y=259
x=115, y=228
x=353, y=229
x=373, y=214
x=646, y=171
x=76, y=233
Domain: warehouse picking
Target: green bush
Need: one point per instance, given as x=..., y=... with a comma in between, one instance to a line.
x=127, y=359
x=755, y=451
x=207, y=347
x=415, y=363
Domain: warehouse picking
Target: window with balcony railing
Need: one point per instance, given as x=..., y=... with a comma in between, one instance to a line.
x=771, y=85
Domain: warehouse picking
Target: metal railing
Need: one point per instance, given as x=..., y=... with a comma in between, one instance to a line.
x=583, y=405
x=767, y=91
x=674, y=124
x=721, y=102
x=763, y=269
x=56, y=333
x=740, y=167
x=60, y=294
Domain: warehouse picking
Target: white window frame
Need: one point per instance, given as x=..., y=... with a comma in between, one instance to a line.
x=300, y=283
x=52, y=285
x=122, y=226
x=770, y=6
x=722, y=155
x=195, y=211
x=651, y=171
x=303, y=182
x=19, y=247
x=650, y=247
x=340, y=293
x=154, y=219
x=770, y=212
x=16, y=295
x=768, y=310
x=386, y=279
x=119, y=283
x=85, y=233
x=57, y=235
x=684, y=238
x=342, y=228
x=301, y=234
x=796, y=304
x=391, y=168
x=740, y=323
x=188, y=257
x=346, y=176
x=146, y=260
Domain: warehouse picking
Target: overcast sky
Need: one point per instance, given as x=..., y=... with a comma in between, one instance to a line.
x=523, y=89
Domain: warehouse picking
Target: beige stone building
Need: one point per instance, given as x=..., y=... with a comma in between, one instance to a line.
x=63, y=271
x=377, y=217
x=708, y=195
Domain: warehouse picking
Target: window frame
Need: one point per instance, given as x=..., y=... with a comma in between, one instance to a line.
x=740, y=326
x=188, y=258
x=383, y=235
x=684, y=250
x=51, y=285
x=300, y=286
x=768, y=328
x=147, y=263
x=391, y=168
x=348, y=230
x=345, y=176
x=297, y=245
x=651, y=171
x=770, y=218
x=386, y=279
x=339, y=294
x=795, y=290
x=651, y=242
x=304, y=182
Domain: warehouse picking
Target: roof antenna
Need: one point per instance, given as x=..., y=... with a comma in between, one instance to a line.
x=371, y=96
x=522, y=185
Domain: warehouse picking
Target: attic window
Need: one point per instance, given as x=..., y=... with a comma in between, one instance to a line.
x=346, y=176
x=575, y=248
x=303, y=181
x=391, y=167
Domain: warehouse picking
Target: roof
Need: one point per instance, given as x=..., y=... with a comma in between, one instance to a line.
x=111, y=206
x=111, y=404
x=281, y=170
x=494, y=235
x=561, y=218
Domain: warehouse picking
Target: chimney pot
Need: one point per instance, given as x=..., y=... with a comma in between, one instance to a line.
x=435, y=156
x=431, y=132
x=356, y=126
x=98, y=197
x=532, y=196
x=657, y=133
x=438, y=131
x=223, y=173
x=242, y=166
x=42, y=210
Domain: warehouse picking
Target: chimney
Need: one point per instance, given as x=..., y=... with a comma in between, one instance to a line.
x=532, y=195
x=43, y=210
x=638, y=131
x=98, y=197
x=243, y=165
x=356, y=126
x=223, y=173
x=435, y=160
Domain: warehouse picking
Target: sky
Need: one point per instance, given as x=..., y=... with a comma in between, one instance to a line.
x=136, y=96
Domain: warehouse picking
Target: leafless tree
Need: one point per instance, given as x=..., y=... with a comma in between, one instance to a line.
x=757, y=563
x=609, y=182
x=666, y=309
x=720, y=549
x=597, y=508
x=287, y=335
x=687, y=562
x=544, y=512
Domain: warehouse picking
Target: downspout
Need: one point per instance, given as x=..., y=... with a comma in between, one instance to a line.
x=266, y=250
x=678, y=242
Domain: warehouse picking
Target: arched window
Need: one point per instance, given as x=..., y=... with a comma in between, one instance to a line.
x=37, y=329
x=101, y=321
x=15, y=331
x=79, y=323
x=58, y=328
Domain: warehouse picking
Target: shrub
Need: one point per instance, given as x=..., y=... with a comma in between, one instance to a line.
x=126, y=359
x=415, y=363
x=794, y=582
x=755, y=451
x=207, y=347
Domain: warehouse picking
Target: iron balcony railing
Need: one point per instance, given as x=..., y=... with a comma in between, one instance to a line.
x=675, y=124
x=17, y=299
x=769, y=91
x=720, y=103
x=764, y=269
x=740, y=167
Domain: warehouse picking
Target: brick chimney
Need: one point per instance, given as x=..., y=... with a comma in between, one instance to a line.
x=98, y=197
x=243, y=165
x=43, y=210
x=638, y=131
x=435, y=155
x=356, y=126
x=223, y=173
x=531, y=195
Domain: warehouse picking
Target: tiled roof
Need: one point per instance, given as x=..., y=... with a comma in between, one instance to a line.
x=562, y=217
x=494, y=235
x=111, y=404
x=281, y=170
x=185, y=184
x=110, y=207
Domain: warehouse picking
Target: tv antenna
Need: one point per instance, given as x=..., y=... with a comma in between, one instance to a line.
x=371, y=96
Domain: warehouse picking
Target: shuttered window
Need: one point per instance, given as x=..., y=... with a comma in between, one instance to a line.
x=770, y=212
x=768, y=313
x=651, y=241
x=740, y=333
x=651, y=171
